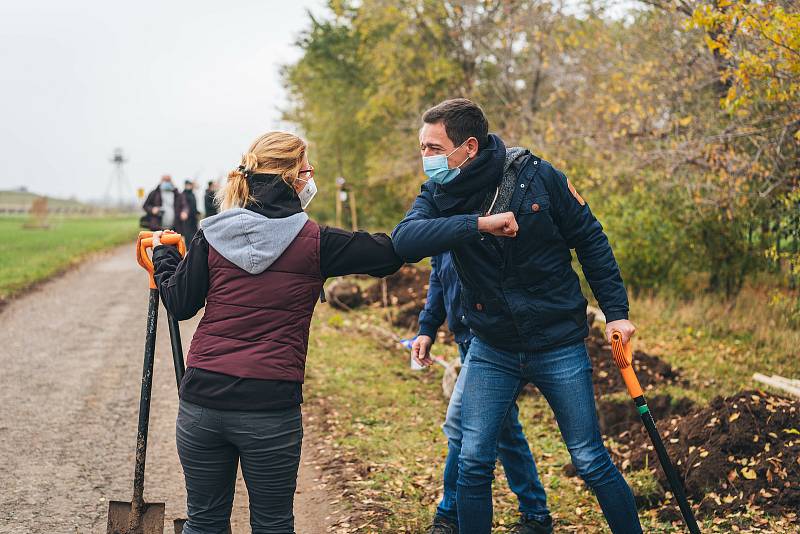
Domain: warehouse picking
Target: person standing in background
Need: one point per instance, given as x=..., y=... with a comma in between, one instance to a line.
x=164, y=207
x=210, y=205
x=189, y=226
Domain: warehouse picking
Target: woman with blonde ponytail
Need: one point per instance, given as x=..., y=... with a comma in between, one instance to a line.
x=258, y=267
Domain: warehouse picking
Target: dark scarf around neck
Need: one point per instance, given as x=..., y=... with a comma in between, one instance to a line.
x=466, y=193
x=273, y=197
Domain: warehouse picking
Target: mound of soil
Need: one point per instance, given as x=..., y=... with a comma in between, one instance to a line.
x=619, y=419
x=344, y=295
x=650, y=370
x=409, y=284
x=741, y=451
x=407, y=316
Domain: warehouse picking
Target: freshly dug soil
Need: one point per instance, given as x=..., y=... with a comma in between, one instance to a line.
x=344, y=295
x=620, y=419
x=407, y=316
x=409, y=284
x=741, y=451
x=651, y=370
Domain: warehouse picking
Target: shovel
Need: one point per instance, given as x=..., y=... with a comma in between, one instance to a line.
x=623, y=358
x=174, y=331
x=137, y=516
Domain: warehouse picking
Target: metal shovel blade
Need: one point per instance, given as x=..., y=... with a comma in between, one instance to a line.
x=178, y=525
x=151, y=521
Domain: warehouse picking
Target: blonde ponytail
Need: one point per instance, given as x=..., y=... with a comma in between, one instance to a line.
x=278, y=153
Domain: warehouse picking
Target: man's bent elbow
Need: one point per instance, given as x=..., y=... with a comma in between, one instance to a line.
x=403, y=245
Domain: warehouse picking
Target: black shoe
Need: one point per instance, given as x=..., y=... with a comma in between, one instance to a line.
x=442, y=525
x=532, y=526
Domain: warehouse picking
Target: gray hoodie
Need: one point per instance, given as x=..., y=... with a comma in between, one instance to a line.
x=250, y=240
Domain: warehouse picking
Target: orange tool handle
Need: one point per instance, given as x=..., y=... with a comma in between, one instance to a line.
x=623, y=357
x=145, y=241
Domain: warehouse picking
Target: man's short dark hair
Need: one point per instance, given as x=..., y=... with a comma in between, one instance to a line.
x=462, y=119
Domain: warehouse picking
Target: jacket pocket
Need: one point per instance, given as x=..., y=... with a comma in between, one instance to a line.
x=536, y=226
x=487, y=316
x=535, y=204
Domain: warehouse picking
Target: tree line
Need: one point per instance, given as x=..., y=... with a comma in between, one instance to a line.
x=679, y=120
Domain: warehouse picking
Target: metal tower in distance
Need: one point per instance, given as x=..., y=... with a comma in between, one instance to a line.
x=118, y=191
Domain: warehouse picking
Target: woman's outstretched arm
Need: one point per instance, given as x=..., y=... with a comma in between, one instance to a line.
x=343, y=252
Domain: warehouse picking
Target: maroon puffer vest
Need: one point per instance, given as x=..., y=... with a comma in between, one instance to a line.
x=256, y=325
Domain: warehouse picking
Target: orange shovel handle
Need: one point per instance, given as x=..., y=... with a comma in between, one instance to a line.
x=145, y=241
x=623, y=357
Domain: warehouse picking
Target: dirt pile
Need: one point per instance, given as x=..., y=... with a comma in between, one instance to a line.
x=741, y=451
x=405, y=293
x=408, y=285
x=620, y=419
x=651, y=370
x=344, y=295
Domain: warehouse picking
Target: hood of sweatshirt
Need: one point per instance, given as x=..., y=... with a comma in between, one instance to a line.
x=250, y=240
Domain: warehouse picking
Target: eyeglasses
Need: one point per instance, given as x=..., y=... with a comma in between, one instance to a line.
x=309, y=171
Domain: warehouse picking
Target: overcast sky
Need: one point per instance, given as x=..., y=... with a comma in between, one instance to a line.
x=182, y=87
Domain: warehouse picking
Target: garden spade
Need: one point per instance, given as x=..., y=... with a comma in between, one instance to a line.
x=137, y=516
x=623, y=358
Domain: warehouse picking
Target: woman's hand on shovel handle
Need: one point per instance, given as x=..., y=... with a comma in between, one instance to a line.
x=623, y=326
x=157, y=236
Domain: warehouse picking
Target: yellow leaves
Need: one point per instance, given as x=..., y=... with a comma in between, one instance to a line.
x=685, y=121
x=748, y=473
x=733, y=417
x=711, y=43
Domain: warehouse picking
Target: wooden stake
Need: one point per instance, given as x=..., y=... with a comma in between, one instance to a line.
x=777, y=383
x=353, y=212
x=338, y=204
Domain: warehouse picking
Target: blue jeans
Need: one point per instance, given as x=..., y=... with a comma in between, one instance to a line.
x=512, y=449
x=564, y=376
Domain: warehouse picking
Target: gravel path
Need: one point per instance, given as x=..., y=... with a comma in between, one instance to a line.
x=70, y=370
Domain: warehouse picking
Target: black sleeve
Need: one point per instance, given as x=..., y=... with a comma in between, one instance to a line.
x=183, y=283
x=343, y=252
x=150, y=201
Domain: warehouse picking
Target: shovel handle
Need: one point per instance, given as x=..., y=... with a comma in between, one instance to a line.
x=145, y=241
x=623, y=358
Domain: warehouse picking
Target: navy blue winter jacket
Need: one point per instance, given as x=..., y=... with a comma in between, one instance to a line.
x=520, y=293
x=443, y=301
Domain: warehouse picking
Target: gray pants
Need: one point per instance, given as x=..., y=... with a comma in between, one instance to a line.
x=210, y=445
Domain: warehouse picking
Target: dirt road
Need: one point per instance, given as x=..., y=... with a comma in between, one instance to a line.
x=70, y=369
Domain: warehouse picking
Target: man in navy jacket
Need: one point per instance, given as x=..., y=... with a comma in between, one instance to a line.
x=444, y=302
x=510, y=220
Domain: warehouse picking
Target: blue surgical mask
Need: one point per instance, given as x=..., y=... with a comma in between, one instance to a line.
x=167, y=186
x=436, y=168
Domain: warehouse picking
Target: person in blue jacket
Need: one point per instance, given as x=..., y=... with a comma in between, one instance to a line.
x=511, y=221
x=444, y=302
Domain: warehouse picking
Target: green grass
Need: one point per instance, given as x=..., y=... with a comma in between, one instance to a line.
x=379, y=423
x=29, y=255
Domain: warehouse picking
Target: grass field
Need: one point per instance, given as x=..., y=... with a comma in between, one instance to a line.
x=379, y=422
x=30, y=255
